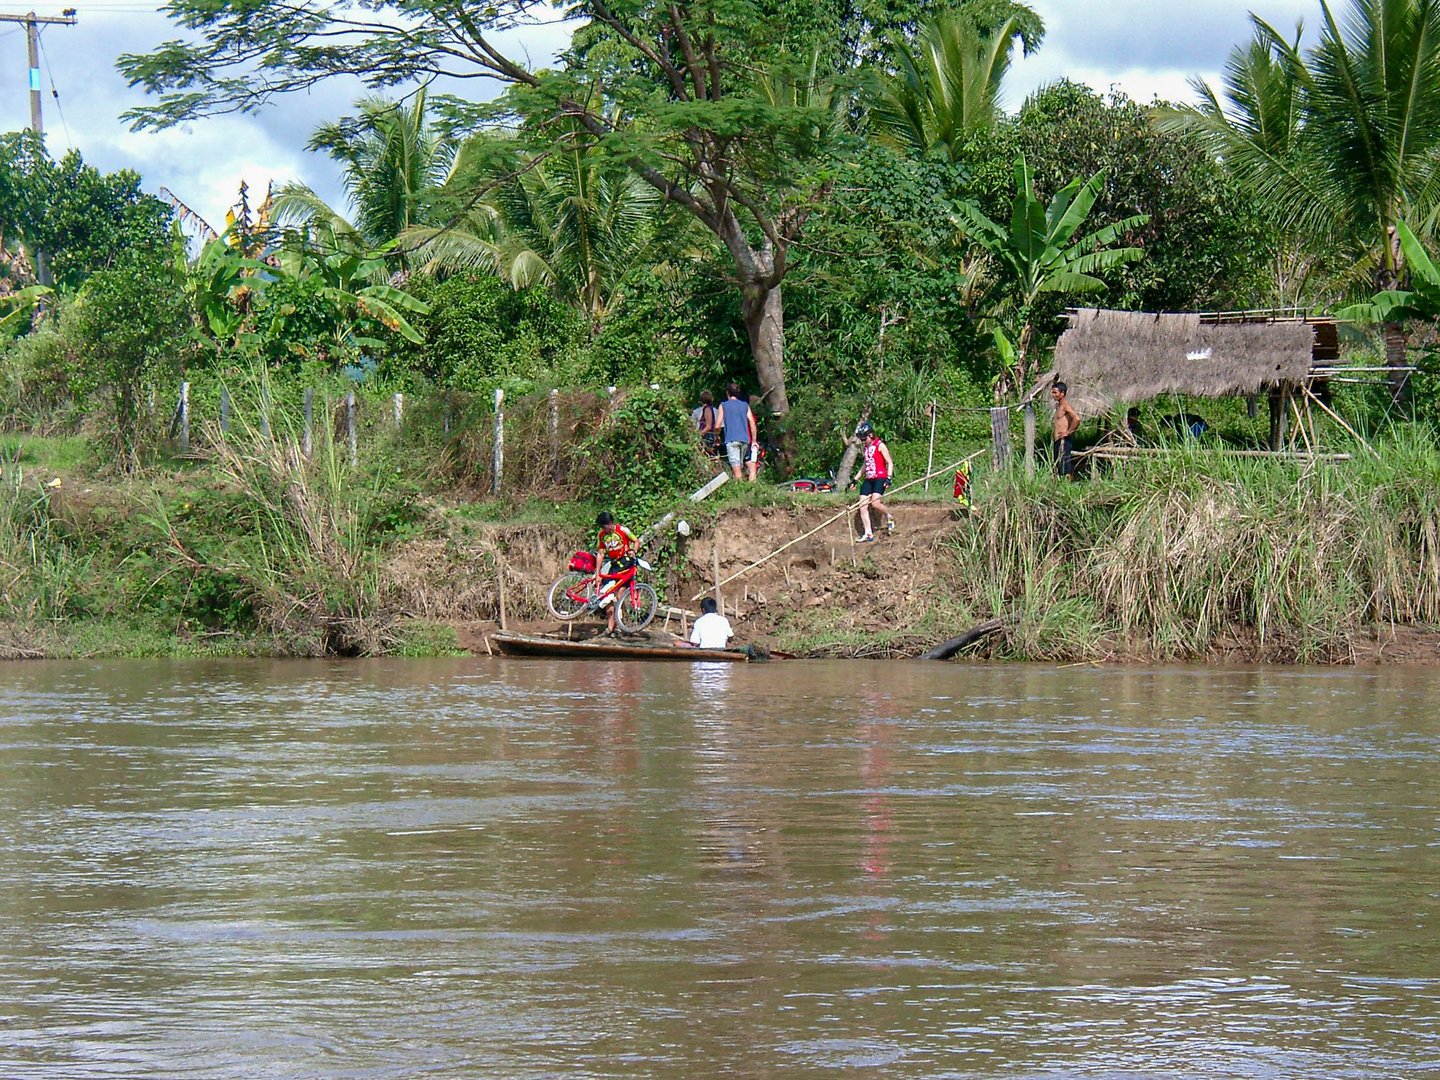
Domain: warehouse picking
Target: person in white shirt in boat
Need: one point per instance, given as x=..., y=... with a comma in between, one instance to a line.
x=711, y=630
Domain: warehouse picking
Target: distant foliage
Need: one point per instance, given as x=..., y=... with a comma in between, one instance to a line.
x=480, y=332
x=1206, y=247
x=129, y=328
x=644, y=453
x=84, y=220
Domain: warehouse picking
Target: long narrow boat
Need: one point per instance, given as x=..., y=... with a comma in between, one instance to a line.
x=601, y=649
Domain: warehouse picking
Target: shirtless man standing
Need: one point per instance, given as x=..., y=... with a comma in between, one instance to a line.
x=1067, y=420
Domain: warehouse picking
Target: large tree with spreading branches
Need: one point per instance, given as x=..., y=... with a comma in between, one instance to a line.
x=730, y=109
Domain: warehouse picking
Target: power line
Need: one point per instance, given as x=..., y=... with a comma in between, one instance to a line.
x=50, y=71
x=32, y=23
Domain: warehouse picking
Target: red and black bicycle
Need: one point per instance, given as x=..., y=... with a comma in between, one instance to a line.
x=576, y=592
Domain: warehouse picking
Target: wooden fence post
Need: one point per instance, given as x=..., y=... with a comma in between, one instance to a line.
x=1000, y=438
x=265, y=410
x=307, y=444
x=555, y=434
x=497, y=460
x=224, y=410
x=445, y=410
x=1279, y=419
x=185, y=417
x=398, y=408
x=930, y=461
x=1029, y=439
x=350, y=434
x=715, y=563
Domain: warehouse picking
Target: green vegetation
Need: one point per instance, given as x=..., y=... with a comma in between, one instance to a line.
x=1182, y=556
x=826, y=203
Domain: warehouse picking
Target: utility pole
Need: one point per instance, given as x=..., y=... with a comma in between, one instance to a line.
x=32, y=24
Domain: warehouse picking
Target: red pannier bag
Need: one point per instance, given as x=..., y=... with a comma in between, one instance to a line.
x=583, y=561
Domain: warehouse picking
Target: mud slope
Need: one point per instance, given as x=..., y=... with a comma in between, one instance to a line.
x=826, y=585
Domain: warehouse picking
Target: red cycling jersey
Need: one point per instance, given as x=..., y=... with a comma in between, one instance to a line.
x=877, y=460
x=615, y=542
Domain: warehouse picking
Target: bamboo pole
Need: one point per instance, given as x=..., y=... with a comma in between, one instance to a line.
x=930, y=461
x=1159, y=451
x=555, y=434
x=351, y=435
x=1336, y=417
x=849, y=509
x=1029, y=439
x=1300, y=426
x=500, y=573
x=715, y=563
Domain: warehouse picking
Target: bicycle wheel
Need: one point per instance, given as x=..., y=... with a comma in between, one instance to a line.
x=561, y=601
x=637, y=607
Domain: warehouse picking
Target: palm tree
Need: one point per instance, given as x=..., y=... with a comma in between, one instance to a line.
x=572, y=221
x=1421, y=301
x=945, y=90
x=1355, y=147
x=1039, y=253
x=392, y=163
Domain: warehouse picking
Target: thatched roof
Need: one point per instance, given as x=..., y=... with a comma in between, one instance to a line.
x=1111, y=358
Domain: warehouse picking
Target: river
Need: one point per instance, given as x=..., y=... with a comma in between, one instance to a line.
x=490, y=868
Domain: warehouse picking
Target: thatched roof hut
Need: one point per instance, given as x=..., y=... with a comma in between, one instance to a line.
x=1110, y=358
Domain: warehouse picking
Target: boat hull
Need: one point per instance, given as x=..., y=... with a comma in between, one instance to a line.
x=536, y=645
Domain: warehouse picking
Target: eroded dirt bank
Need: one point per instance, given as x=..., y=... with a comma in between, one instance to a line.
x=823, y=595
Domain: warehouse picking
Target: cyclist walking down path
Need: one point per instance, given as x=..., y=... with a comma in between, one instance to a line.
x=877, y=470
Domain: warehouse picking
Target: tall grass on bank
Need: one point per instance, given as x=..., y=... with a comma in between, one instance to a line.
x=1181, y=555
x=39, y=568
x=309, y=561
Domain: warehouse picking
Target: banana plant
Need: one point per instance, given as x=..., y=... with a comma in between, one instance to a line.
x=222, y=283
x=20, y=304
x=1040, y=253
x=1420, y=301
x=356, y=287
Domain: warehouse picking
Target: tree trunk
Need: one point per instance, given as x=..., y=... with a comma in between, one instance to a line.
x=1391, y=275
x=845, y=471
x=765, y=323
x=764, y=316
x=1395, y=342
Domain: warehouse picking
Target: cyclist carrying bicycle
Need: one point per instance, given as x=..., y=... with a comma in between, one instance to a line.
x=614, y=551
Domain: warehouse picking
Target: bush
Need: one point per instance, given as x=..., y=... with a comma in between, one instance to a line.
x=130, y=327
x=36, y=372
x=644, y=453
x=480, y=332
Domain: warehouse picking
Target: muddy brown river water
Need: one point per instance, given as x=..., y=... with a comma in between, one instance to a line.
x=490, y=868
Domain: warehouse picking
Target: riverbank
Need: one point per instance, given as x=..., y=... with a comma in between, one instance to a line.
x=1185, y=558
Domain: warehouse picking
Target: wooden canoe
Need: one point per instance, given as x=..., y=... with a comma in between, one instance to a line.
x=607, y=649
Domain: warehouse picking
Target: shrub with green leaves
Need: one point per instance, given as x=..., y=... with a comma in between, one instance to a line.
x=645, y=453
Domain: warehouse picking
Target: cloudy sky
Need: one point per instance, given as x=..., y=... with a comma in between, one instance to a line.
x=1146, y=48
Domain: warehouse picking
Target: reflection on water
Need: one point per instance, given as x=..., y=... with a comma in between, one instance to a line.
x=522, y=868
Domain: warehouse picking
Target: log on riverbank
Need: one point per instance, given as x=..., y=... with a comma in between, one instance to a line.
x=946, y=649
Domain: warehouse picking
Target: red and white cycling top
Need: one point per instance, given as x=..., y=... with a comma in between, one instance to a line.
x=615, y=541
x=877, y=460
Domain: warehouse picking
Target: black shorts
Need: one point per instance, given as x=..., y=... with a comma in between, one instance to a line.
x=874, y=487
